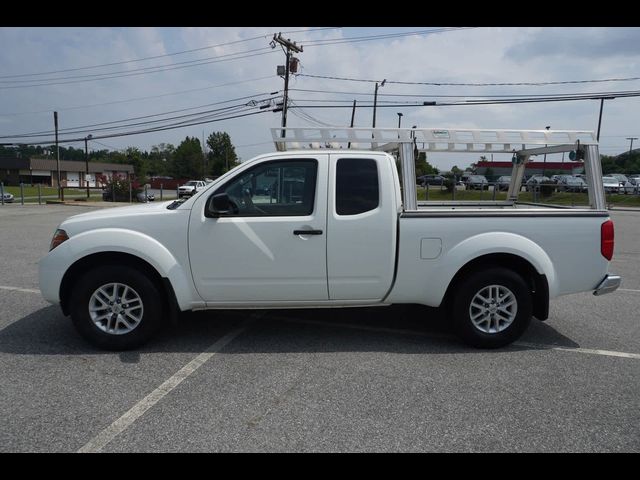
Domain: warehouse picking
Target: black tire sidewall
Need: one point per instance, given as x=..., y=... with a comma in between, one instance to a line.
x=467, y=289
x=99, y=276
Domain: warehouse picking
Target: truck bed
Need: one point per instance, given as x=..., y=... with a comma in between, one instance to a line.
x=488, y=208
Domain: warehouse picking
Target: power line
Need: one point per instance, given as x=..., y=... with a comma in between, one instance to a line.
x=159, y=69
x=141, y=98
x=138, y=132
x=124, y=62
x=84, y=128
x=386, y=36
x=495, y=102
x=452, y=84
x=429, y=95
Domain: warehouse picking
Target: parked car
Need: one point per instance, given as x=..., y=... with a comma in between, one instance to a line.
x=534, y=182
x=7, y=197
x=142, y=198
x=431, y=180
x=625, y=185
x=611, y=184
x=477, y=182
x=503, y=182
x=190, y=188
x=569, y=183
x=339, y=232
x=635, y=180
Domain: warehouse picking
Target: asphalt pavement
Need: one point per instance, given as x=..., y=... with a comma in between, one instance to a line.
x=363, y=380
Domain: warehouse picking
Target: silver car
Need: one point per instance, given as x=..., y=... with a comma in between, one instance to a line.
x=625, y=185
x=7, y=197
x=611, y=184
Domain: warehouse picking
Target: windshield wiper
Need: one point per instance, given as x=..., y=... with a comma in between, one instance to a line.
x=176, y=203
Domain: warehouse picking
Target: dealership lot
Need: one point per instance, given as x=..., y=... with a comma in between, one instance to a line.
x=377, y=379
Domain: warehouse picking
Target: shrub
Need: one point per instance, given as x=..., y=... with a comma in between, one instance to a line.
x=118, y=186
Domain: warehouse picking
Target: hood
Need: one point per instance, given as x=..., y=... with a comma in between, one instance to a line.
x=118, y=217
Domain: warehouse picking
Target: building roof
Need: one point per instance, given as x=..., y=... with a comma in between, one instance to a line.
x=13, y=163
x=75, y=166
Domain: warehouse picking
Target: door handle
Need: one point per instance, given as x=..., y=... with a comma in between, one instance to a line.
x=307, y=232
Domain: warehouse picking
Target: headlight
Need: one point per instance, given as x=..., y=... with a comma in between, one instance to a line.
x=59, y=237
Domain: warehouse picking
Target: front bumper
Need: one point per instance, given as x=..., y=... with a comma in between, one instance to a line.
x=609, y=284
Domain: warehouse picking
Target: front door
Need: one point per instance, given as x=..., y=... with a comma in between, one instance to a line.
x=260, y=252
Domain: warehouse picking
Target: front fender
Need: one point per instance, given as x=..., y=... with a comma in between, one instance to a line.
x=54, y=265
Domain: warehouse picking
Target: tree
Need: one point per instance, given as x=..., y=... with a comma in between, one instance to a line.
x=134, y=157
x=222, y=154
x=423, y=167
x=160, y=159
x=187, y=160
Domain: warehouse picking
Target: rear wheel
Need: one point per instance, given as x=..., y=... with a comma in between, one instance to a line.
x=491, y=307
x=116, y=307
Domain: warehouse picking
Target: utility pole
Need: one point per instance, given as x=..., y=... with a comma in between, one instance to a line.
x=375, y=101
x=86, y=159
x=290, y=47
x=55, y=123
x=353, y=116
x=631, y=145
x=204, y=157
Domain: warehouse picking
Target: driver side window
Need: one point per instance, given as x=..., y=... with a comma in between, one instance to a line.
x=278, y=188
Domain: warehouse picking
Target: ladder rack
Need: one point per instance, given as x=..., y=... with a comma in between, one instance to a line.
x=522, y=143
x=431, y=139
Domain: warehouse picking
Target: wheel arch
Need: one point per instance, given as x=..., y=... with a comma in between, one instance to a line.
x=537, y=282
x=91, y=261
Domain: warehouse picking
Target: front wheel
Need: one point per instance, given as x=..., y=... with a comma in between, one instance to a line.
x=116, y=307
x=491, y=308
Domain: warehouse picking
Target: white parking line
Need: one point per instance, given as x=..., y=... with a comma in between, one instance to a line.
x=17, y=289
x=101, y=440
x=606, y=353
x=628, y=290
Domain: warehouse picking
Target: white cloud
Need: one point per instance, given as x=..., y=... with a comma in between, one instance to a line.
x=482, y=55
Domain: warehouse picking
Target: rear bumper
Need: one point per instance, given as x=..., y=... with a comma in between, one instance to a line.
x=609, y=284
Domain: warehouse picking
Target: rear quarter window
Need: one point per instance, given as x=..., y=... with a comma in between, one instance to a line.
x=357, y=186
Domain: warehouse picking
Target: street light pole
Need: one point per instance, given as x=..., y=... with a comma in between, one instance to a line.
x=544, y=163
x=631, y=145
x=86, y=161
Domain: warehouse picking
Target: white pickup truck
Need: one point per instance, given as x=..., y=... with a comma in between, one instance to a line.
x=334, y=227
x=190, y=188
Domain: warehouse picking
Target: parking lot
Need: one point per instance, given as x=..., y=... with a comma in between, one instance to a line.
x=375, y=379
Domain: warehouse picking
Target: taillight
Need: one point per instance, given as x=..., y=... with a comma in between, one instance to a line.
x=58, y=237
x=606, y=239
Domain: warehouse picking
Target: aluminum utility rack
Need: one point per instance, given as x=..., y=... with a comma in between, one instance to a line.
x=522, y=144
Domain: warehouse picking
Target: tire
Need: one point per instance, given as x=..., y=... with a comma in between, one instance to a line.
x=483, y=324
x=111, y=325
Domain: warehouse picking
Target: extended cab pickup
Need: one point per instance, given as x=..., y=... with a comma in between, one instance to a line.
x=330, y=228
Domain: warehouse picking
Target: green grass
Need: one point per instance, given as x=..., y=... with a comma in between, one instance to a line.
x=31, y=191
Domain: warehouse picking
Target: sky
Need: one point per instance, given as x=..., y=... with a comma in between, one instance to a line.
x=99, y=78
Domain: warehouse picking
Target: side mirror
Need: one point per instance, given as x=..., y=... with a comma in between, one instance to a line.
x=220, y=204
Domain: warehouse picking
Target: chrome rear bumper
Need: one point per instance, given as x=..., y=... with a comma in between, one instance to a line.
x=608, y=285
